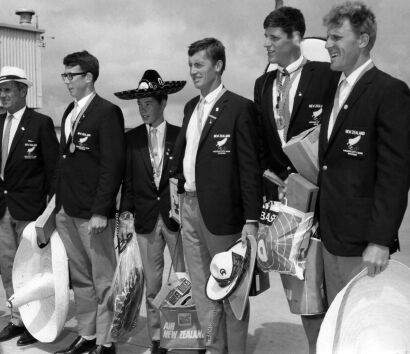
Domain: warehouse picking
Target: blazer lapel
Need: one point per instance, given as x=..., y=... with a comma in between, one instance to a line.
x=144, y=148
x=63, y=139
x=358, y=90
x=21, y=130
x=216, y=111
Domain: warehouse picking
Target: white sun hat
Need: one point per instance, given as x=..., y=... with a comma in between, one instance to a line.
x=12, y=73
x=40, y=281
x=370, y=315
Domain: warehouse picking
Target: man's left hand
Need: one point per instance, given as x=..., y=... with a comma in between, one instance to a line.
x=249, y=229
x=375, y=258
x=97, y=224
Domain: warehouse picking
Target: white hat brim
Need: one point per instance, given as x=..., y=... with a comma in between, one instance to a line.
x=366, y=310
x=45, y=317
x=24, y=81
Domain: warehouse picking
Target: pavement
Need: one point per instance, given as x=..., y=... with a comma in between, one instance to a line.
x=272, y=329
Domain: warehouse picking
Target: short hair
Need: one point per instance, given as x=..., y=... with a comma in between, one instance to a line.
x=213, y=47
x=159, y=97
x=361, y=18
x=87, y=62
x=287, y=18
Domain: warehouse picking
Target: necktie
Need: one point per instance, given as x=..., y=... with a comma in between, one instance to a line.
x=5, y=144
x=74, y=112
x=156, y=163
x=283, y=82
x=337, y=104
x=200, y=113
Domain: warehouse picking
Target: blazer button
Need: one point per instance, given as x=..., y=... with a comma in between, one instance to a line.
x=324, y=167
x=289, y=168
x=158, y=198
x=64, y=156
x=5, y=192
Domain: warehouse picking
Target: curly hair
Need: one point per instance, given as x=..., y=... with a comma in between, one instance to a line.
x=361, y=18
x=288, y=19
x=87, y=62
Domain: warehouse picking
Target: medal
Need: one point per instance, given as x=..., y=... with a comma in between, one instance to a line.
x=72, y=147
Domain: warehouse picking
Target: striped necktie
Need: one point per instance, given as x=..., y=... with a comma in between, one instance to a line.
x=5, y=144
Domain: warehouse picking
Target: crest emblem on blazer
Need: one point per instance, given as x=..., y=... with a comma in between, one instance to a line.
x=222, y=144
x=353, y=144
x=82, y=143
x=317, y=110
x=31, y=152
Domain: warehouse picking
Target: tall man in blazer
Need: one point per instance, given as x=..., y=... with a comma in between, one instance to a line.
x=28, y=157
x=145, y=191
x=216, y=159
x=285, y=111
x=89, y=175
x=364, y=153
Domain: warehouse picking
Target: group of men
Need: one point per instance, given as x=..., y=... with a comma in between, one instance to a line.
x=218, y=156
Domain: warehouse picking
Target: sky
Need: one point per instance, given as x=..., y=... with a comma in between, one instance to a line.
x=131, y=36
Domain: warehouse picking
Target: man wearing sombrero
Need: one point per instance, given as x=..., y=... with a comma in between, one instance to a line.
x=145, y=192
x=215, y=158
x=29, y=150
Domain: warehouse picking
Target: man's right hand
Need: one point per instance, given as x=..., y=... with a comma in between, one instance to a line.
x=126, y=225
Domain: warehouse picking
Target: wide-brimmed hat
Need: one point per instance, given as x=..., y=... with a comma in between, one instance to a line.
x=12, y=73
x=40, y=282
x=151, y=84
x=369, y=315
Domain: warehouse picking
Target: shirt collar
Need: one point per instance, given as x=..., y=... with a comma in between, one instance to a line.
x=352, y=78
x=17, y=115
x=293, y=66
x=160, y=128
x=210, y=97
x=81, y=103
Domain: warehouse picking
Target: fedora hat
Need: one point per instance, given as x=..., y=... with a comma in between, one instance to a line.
x=369, y=315
x=40, y=282
x=12, y=73
x=151, y=84
x=231, y=275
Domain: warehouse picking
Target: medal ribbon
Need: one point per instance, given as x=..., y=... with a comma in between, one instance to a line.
x=78, y=118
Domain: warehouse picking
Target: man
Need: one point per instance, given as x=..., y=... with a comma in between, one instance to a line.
x=216, y=160
x=145, y=192
x=290, y=103
x=89, y=175
x=29, y=152
x=364, y=153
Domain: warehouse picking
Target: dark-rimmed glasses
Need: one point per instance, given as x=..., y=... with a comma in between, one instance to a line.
x=70, y=76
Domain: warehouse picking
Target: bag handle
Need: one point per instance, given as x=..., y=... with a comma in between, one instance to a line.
x=174, y=254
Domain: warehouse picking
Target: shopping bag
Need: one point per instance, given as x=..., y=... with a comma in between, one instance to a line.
x=307, y=296
x=180, y=327
x=283, y=235
x=127, y=288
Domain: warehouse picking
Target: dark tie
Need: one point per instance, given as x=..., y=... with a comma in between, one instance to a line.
x=5, y=144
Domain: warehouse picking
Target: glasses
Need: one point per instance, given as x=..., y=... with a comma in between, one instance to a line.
x=70, y=76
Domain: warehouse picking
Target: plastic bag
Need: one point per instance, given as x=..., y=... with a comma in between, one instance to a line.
x=127, y=288
x=283, y=239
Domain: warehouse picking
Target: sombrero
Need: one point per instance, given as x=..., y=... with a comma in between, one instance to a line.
x=12, y=73
x=231, y=275
x=151, y=84
x=369, y=315
x=40, y=281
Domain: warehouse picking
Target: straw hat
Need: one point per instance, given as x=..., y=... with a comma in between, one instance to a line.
x=12, y=73
x=40, y=281
x=151, y=84
x=369, y=315
x=231, y=275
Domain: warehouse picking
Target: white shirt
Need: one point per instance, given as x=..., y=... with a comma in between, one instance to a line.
x=160, y=138
x=291, y=68
x=14, y=124
x=81, y=103
x=345, y=90
x=193, y=136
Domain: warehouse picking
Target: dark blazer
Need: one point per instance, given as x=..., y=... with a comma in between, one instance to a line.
x=30, y=166
x=139, y=194
x=88, y=180
x=316, y=83
x=228, y=177
x=364, y=167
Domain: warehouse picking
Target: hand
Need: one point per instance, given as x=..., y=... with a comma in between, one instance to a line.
x=282, y=190
x=250, y=228
x=97, y=224
x=375, y=258
x=126, y=226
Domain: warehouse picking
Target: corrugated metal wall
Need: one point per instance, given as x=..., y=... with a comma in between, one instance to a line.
x=23, y=49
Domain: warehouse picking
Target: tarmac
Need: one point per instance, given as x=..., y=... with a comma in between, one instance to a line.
x=272, y=328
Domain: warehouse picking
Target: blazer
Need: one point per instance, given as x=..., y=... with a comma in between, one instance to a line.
x=139, y=192
x=88, y=180
x=317, y=82
x=227, y=171
x=364, y=167
x=30, y=166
